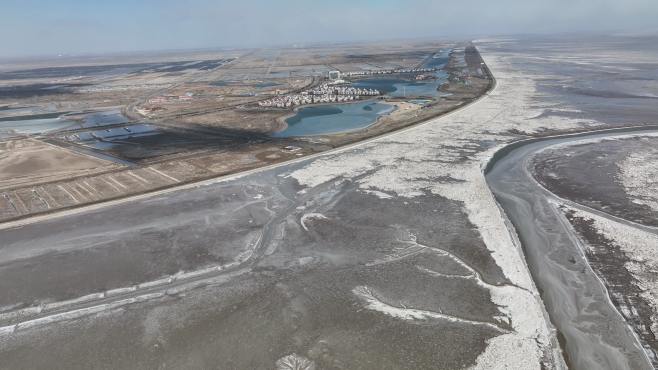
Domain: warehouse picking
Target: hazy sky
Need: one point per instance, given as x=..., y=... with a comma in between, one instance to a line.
x=46, y=27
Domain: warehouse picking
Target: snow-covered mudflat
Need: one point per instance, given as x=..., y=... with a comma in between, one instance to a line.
x=640, y=177
x=389, y=254
x=445, y=157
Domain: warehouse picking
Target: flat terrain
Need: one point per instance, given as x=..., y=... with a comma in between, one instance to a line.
x=183, y=118
x=591, y=224
x=28, y=161
x=593, y=332
x=389, y=253
x=595, y=174
x=306, y=263
x=602, y=175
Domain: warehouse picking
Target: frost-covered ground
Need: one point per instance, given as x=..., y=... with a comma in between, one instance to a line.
x=445, y=157
x=391, y=254
x=344, y=259
x=640, y=177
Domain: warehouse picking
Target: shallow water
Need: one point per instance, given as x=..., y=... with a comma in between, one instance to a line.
x=103, y=119
x=439, y=59
x=596, y=336
x=398, y=87
x=223, y=83
x=32, y=126
x=267, y=84
x=334, y=118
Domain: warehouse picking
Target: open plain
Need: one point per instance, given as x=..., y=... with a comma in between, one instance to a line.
x=615, y=222
x=378, y=248
x=147, y=126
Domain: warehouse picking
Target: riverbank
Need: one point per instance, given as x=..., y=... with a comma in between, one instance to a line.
x=400, y=213
x=556, y=259
x=329, y=119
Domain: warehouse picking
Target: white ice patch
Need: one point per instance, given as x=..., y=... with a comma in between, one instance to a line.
x=524, y=347
x=378, y=194
x=443, y=157
x=294, y=362
x=310, y=216
x=596, y=140
x=507, y=349
x=374, y=304
x=639, y=176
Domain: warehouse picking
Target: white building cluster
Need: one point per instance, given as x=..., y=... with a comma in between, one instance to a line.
x=167, y=98
x=324, y=93
x=326, y=89
x=389, y=71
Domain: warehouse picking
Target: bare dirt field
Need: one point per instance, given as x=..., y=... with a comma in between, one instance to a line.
x=141, y=126
x=30, y=162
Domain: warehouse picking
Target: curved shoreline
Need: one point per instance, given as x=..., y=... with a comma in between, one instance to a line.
x=97, y=301
x=59, y=212
x=505, y=150
x=281, y=121
x=593, y=332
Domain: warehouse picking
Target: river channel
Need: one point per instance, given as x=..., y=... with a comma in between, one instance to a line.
x=592, y=332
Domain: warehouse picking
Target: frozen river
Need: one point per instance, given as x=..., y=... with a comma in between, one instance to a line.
x=390, y=253
x=596, y=335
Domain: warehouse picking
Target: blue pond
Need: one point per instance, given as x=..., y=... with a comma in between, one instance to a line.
x=32, y=126
x=399, y=87
x=335, y=118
